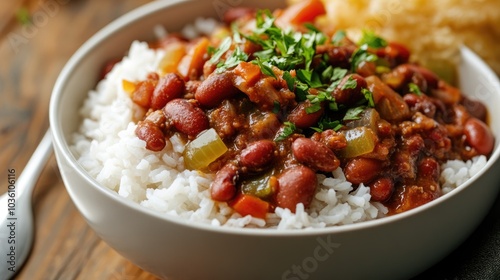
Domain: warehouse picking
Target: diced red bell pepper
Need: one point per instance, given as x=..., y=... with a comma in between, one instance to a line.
x=194, y=60
x=249, y=73
x=246, y=204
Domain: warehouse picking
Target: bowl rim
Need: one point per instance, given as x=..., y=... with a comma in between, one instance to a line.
x=121, y=22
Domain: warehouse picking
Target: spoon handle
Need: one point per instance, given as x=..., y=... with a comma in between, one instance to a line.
x=16, y=217
x=35, y=165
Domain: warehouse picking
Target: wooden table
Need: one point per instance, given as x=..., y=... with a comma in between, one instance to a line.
x=37, y=38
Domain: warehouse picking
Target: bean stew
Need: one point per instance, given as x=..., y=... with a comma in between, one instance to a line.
x=269, y=100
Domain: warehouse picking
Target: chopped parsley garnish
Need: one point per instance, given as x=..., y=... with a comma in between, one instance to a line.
x=288, y=129
x=265, y=67
x=414, y=89
x=290, y=81
x=362, y=55
x=316, y=101
x=309, y=77
x=338, y=37
x=276, y=107
x=221, y=50
x=315, y=107
x=372, y=40
x=236, y=56
x=326, y=123
x=353, y=114
x=351, y=83
x=368, y=96
x=306, y=73
x=285, y=49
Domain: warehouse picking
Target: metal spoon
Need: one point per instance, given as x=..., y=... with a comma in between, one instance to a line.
x=16, y=213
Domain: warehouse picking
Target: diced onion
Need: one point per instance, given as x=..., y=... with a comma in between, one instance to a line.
x=203, y=150
x=173, y=55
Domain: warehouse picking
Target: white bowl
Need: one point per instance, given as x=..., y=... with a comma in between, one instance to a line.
x=395, y=247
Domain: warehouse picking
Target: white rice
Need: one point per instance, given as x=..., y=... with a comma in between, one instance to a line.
x=107, y=147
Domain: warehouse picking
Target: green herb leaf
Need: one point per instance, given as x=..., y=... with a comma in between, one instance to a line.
x=221, y=50
x=338, y=37
x=265, y=68
x=351, y=83
x=289, y=129
x=236, y=57
x=276, y=107
x=338, y=74
x=290, y=81
x=326, y=123
x=368, y=96
x=327, y=73
x=414, y=89
x=315, y=107
x=372, y=40
x=353, y=113
x=361, y=55
x=301, y=90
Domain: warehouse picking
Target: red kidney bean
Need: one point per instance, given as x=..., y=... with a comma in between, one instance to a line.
x=399, y=76
x=223, y=188
x=169, y=87
x=431, y=79
x=479, y=136
x=301, y=118
x=346, y=95
x=446, y=93
x=315, y=155
x=257, y=154
x=143, y=92
x=429, y=168
x=475, y=108
x=217, y=87
x=153, y=76
x=395, y=53
x=381, y=189
x=418, y=79
x=362, y=170
x=366, y=68
x=186, y=117
x=337, y=56
x=151, y=134
x=296, y=185
x=412, y=99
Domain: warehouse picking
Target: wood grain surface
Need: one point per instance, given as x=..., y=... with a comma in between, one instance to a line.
x=36, y=40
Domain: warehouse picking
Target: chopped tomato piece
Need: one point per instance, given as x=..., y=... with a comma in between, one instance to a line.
x=302, y=12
